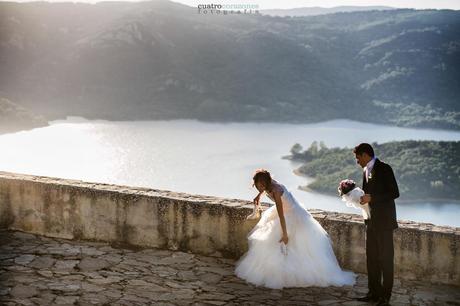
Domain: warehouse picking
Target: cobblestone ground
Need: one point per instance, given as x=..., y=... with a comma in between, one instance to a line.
x=37, y=270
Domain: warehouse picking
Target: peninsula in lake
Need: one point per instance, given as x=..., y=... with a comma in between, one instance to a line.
x=425, y=170
x=14, y=117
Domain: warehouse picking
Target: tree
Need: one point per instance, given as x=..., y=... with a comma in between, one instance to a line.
x=296, y=149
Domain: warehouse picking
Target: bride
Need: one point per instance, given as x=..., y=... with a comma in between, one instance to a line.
x=288, y=247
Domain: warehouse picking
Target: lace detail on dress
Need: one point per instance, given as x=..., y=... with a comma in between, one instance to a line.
x=282, y=188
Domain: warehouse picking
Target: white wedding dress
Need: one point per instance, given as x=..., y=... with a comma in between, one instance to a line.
x=309, y=260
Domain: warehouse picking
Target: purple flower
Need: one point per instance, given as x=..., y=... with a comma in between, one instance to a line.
x=346, y=186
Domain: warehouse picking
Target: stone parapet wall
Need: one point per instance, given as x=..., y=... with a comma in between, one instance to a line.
x=206, y=225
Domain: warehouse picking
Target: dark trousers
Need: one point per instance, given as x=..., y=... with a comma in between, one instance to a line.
x=380, y=257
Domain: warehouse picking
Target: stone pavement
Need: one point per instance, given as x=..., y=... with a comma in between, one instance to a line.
x=37, y=270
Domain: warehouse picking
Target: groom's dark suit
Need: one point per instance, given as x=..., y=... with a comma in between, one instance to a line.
x=383, y=189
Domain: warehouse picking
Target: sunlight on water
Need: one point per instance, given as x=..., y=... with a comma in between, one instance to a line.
x=61, y=150
x=196, y=157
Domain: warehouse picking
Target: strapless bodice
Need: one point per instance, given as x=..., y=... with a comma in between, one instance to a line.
x=286, y=198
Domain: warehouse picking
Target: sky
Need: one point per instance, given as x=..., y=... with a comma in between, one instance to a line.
x=270, y=4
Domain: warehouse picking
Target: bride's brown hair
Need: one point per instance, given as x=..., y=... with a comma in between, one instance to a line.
x=262, y=175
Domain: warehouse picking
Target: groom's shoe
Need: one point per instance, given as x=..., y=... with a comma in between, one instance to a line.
x=368, y=298
x=383, y=302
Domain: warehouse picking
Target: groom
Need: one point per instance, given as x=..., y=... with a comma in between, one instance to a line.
x=380, y=187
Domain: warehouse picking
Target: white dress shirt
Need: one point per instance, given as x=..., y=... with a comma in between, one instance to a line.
x=369, y=167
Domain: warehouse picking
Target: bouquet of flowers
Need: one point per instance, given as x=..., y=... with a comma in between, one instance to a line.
x=351, y=195
x=255, y=212
x=284, y=249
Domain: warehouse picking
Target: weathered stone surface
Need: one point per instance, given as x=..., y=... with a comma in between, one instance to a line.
x=88, y=287
x=65, y=264
x=45, y=273
x=105, y=280
x=92, y=264
x=85, y=250
x=210, y=278
x=208, y=282
x=42, y=262
x=24, y=259
x=65, y=286
x=215, y=270
x=94, y=299
x=66, y=299
x=44, y=299
x=21, y=291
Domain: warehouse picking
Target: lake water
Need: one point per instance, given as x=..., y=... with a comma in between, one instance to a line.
x=201, y=158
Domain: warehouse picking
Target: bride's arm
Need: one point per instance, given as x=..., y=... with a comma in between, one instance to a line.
x=257, y=198
x=279, y=208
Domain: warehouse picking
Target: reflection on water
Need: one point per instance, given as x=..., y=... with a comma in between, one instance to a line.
x=203, y=158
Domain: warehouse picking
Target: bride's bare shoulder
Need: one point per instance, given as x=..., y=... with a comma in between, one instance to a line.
x=277, y=188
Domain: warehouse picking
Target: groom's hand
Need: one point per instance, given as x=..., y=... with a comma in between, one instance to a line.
x=365, y=199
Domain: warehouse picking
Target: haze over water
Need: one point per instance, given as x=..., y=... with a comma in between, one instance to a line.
x=201, y=158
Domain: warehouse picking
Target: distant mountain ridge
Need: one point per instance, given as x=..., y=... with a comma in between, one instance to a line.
x=316, y=10
x=164, y=60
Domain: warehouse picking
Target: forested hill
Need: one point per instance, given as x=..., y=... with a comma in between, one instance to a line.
x=14, y=117
x=163, y=60
x=315, y=11
x=424, y=170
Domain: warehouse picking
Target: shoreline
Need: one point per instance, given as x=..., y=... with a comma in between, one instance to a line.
x=11, y=130
x=235, y=121
x=305, y=188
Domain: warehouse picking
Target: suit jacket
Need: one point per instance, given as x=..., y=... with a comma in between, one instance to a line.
x=383, y=189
